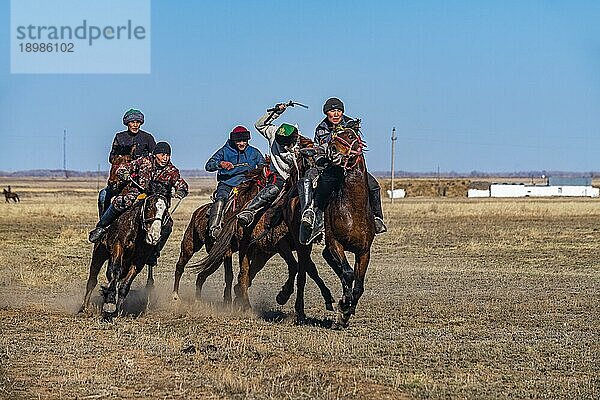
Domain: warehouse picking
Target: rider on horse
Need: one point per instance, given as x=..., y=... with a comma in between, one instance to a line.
x=232, y=161
x=330, y=177
x=283, y=142
x=142, y=142
x=150, y=174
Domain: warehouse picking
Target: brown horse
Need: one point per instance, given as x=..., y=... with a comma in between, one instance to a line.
x=349, y=224
x=124, y=155
x=127, y=244
x=197, y=235
x=277, y=228
x=278, y=242
x=10, y=195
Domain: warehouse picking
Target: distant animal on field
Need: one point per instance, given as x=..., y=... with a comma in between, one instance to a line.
x=9, y=194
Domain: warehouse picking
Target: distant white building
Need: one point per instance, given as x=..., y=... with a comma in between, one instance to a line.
x=556, y=187
x=398, y=194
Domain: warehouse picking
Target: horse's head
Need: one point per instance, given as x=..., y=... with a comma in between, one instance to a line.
x=154, y=211
x=124, y=154
x=346, y=147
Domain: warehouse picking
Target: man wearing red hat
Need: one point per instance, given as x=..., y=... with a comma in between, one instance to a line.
x=231, y=162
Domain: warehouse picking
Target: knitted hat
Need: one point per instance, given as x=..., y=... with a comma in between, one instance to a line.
x=133, y=115
x=333, y=104
x=162, y=148
x=239, y=133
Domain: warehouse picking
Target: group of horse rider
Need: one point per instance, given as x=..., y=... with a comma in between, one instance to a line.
x=151, y=170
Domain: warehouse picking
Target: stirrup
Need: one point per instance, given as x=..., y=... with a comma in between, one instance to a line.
x=379, y=226
x=245, y=218
x=308, y=218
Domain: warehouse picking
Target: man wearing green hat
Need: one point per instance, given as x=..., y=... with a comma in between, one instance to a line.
x=134, y=138
x=283, y=142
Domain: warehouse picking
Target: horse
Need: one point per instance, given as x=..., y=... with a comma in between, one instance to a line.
x=277, y=228
x=349, y=224
x=197, y=234
x=9, y=194
x=127, y=244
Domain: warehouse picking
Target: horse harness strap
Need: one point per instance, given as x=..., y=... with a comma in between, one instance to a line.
x=350, y=146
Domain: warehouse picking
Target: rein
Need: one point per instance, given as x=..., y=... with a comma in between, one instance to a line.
x=352, y=152
x=146, y=220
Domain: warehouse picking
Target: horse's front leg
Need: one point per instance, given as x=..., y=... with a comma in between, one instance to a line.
x=125, y=285
x=109, y=292
x=336, y=258
x=287, y=289
x=305, y=261
x=360, y=270
x=241, y=288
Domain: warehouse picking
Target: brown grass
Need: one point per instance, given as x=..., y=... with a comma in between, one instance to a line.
x=464, y=299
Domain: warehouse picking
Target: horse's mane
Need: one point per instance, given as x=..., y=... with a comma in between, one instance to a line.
x=251, y=177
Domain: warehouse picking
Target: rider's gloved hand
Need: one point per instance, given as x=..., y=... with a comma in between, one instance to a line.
x=180, y=194
x=226, y=165
x=281, y=107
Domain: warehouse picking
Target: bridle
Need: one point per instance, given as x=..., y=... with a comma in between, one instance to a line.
x=145, y=220
x=354, y=149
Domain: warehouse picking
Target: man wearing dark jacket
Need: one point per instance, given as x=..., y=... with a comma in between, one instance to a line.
x=231, y=162
x=133, y=138
x=329, y=178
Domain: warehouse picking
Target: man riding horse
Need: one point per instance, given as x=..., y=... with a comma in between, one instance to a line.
x=150, y=174
x=283, y=142
x=329, y=178
x=142, y=143
x=231, y=162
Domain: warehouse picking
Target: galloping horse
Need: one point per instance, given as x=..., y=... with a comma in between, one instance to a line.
x=127, y=244
x=349, y=224
x=277, y=228
x=197, y=235
x=9, y=194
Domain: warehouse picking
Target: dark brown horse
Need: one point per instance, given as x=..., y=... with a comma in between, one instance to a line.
x=127, y=244
x=276, y=230
x=349, y=224
x=197, y=234
x=10, y=195
x=277, y=242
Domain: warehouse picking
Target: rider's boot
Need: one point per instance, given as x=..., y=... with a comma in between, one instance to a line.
x=305, y=193
x=215, y=217
x=107, y=218
x=262, y=199
x=375, y=200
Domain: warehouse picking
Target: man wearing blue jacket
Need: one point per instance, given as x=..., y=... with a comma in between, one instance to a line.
x=231, y=162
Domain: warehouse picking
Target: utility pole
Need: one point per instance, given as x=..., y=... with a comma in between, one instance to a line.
x=394, y=138
x=65, y=153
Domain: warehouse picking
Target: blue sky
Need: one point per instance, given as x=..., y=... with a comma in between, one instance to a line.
x=469, y=85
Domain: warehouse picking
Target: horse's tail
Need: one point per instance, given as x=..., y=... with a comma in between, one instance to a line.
x=219, y=248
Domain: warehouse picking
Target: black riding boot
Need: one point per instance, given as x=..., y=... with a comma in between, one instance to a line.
x=107, y=218
x=263, y=198
x=215, y=217
x=375, y=200
x=305, y=194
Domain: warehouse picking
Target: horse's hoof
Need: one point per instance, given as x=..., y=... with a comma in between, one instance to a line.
x=300, y=319
x=282, y=297
x=329, y=307
x=175, y=296
x=109, y=308
x=343, y=320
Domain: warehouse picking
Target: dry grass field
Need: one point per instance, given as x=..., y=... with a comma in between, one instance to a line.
x=465, y=298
